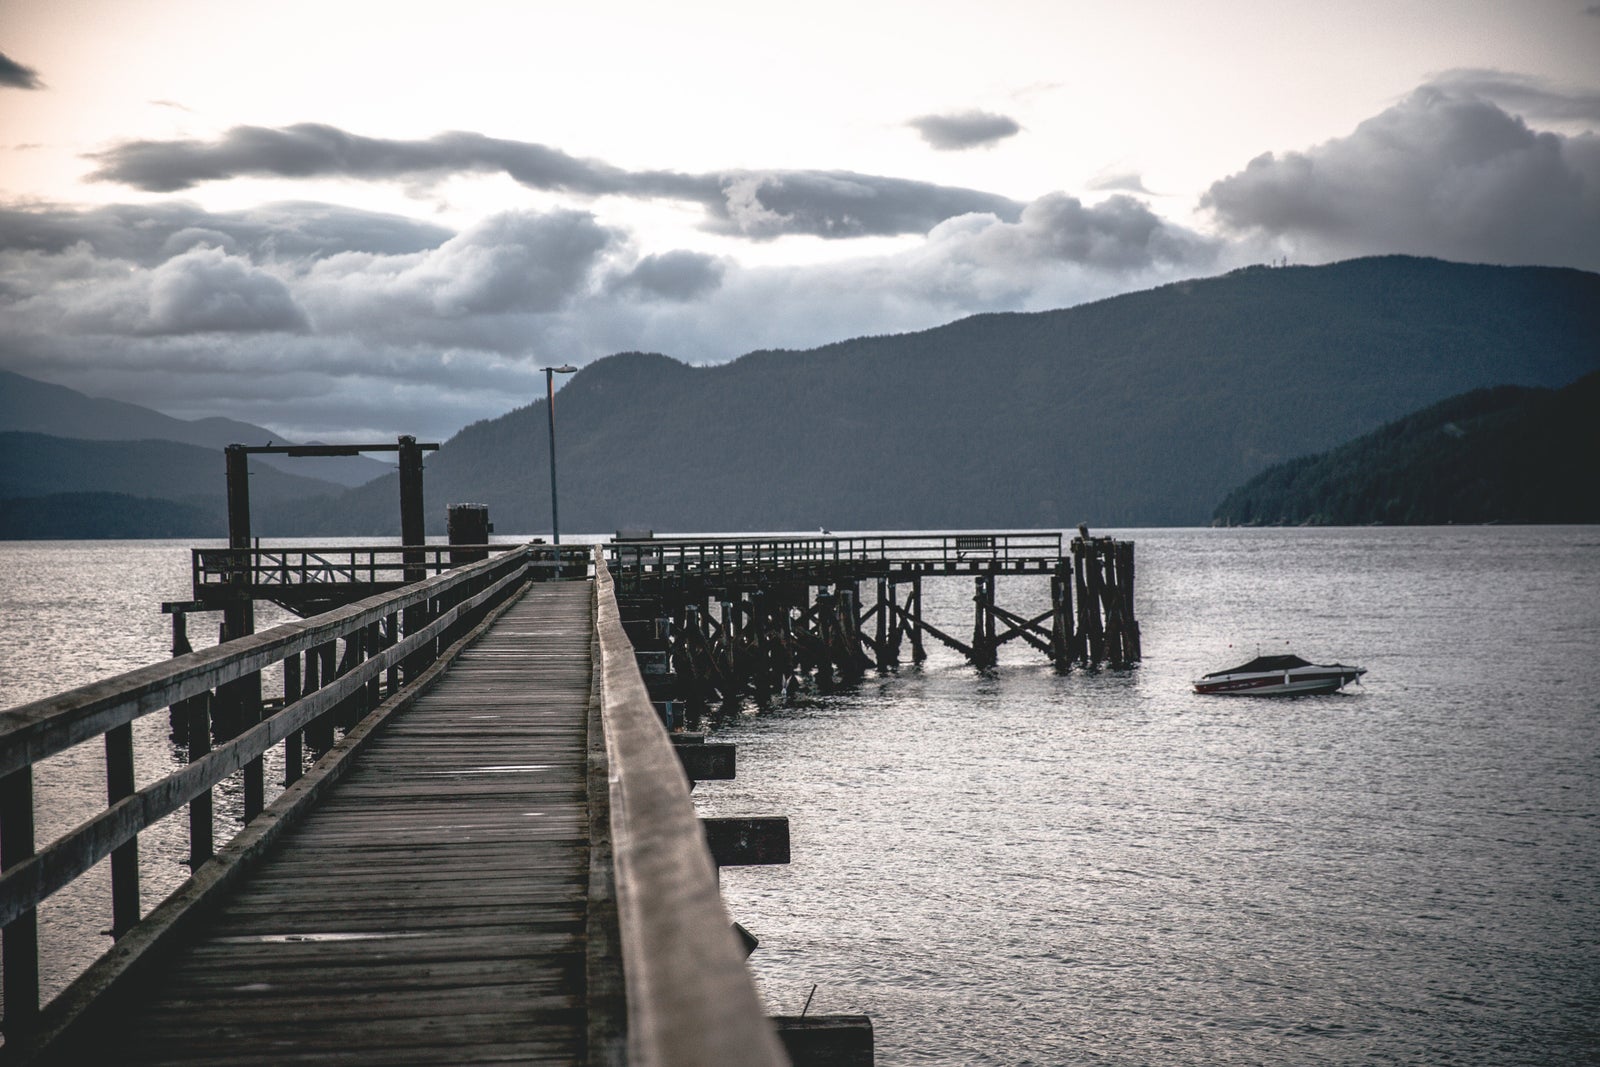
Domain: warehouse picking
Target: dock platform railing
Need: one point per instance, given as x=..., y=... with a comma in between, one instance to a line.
x=264, y=566
x=663, y=557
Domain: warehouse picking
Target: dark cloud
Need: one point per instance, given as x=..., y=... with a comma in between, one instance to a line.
x=1438, y=174
x=16, y=76
x=512, y=262
x=755, y=204
x=208, y=291
x=1120, y=181
x=966, y=129
x=148, y=234
x=841, y=204
x=1521, y=94
x=1592, y=9
x=677, y=276
x=1120, y=235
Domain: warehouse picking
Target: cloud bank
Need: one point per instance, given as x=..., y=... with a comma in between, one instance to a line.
x=964, y=130
x=745, y=203
x=1443, y=173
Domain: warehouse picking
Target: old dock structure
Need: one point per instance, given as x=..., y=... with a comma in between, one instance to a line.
x=484, y=848
x=722, y=618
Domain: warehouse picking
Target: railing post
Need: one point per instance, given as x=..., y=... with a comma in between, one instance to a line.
x=201, y=829
x=391, y=623
x=319, y=670
x=124, y=858
x=19, y=954
x=293, y=745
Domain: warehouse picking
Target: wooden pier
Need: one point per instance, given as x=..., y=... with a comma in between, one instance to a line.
x=727, y=618
x=497, y=861
x=484, y=849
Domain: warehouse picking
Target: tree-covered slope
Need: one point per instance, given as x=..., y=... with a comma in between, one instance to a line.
x=1508, y=454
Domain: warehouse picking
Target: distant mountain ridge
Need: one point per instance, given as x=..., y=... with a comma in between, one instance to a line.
x=33, y=464
x=1143, y=409
x=1508, y=454
x=31, y=406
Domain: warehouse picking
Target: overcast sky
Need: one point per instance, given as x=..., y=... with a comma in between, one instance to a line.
x=346, y=220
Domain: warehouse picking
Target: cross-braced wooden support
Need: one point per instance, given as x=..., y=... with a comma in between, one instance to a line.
x=762, y=633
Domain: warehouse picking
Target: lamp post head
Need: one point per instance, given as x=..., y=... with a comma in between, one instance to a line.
x=565, y=368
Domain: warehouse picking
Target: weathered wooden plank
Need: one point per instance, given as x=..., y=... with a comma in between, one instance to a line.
x=708, y=762
x=826, y=1040
x=741, y=841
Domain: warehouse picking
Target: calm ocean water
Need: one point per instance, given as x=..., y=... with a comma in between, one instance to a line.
x=1016, y=867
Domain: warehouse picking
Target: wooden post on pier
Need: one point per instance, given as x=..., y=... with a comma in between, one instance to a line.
x=197, y=716
x=1107, y=629
x=412, y=527
x=1062, y=652
x=885, y=655
x=124, y=858
x=240, y=702
x=984, y=650
x=917, y=652
x=19, y=945
x=293, y=747
x=1135, y=647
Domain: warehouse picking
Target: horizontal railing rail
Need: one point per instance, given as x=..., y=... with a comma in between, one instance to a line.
x=388, y=640
x=321, y=564
x=722, y=554
x=690, y=999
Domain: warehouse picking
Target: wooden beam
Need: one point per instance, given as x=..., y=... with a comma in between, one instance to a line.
x=918, y=624
x=707, y=763
x=826, y=1040
x=747, y=841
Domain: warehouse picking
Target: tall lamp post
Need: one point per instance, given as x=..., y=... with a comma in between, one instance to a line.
x=550, y=408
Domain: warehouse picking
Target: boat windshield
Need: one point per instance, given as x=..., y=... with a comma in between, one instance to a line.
x=1264, y=663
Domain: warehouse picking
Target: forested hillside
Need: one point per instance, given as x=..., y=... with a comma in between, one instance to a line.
x=1508, y=455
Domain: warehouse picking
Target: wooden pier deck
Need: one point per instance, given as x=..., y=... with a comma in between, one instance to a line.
x=432, y=908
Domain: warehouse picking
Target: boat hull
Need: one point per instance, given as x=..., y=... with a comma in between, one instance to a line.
x=1279, y=683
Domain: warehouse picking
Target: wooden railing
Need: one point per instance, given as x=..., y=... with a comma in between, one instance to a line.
x=690, y=1000
x=727, y=554
x=378, y=665
x=320, y=565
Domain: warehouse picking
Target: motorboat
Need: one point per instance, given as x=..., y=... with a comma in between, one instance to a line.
x=1273, y=676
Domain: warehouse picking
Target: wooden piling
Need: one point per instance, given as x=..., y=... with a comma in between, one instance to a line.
x=19, y=945
x=124, y=858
